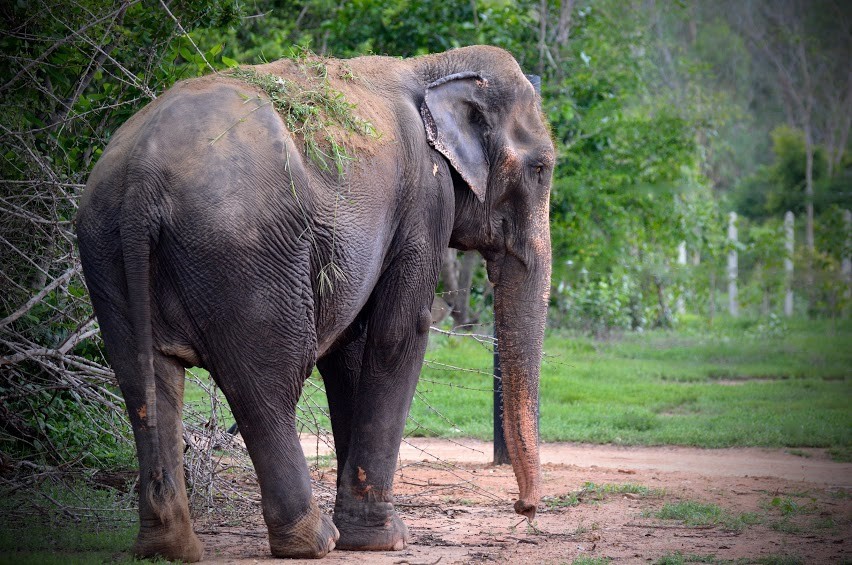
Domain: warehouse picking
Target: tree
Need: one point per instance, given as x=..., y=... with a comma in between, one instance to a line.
x=805, y=48
x=69, y=77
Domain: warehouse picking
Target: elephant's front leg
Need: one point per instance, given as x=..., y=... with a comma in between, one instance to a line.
x=340, y=371
x=393, y=355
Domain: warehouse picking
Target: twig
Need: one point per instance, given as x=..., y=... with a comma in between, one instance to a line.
x=180, y=27
x=61, y=279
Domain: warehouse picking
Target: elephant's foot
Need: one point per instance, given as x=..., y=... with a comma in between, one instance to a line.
x=370, y=526
x=174, y=542
x=312, y=537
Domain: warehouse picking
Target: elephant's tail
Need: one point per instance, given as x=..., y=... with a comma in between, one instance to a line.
x=137, y=241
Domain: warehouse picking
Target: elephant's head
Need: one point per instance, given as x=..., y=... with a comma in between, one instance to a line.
x=484, y=115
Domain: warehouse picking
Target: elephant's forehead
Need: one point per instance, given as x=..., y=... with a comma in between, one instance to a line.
x=529, y=134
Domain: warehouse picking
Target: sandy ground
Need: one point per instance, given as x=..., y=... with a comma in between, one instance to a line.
x=458, y=506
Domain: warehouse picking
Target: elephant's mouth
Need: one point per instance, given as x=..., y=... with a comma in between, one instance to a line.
x=494, y=268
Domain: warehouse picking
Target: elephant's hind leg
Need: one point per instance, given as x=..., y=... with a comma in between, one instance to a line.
x=263, y=395
x=340, y=370
x=165, y=528
x=164, y=525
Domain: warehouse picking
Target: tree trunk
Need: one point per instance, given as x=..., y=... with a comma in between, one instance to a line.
x=461, y=305
x=711, y=307
x=563, y=28
x=542, y=35
x=450, y=276
x=809, y=220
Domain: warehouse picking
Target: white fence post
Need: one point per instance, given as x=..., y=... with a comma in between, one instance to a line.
x=681, y=261
x=788, y=263
x=733, y=306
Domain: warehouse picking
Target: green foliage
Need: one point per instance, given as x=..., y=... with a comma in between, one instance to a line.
x=627, y=188
x=598, y=307
x=780, y=186
x=587, y=560
x=399, y=28
x=786, y=505
x=70, y=77
x=793, y=511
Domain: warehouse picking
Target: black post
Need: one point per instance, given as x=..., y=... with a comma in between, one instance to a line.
x=501, y=454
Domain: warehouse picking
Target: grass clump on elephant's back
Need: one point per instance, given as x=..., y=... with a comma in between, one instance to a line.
x=314, y=110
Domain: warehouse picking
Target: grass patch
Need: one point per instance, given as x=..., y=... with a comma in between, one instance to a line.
x=842, y=454
x=788, y=506
x=778, y=560
x=678, y=558
x=593, y=493
x=840, y=493
x=597, y=492
x=694, y=513
x=321, y=461
x=561, y=501
x=660, y=388
x=790, y=512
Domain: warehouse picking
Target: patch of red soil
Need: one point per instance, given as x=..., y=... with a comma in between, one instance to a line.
x=459, y=508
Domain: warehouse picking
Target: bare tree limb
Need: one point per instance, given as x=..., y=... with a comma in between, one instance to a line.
x=62, y=279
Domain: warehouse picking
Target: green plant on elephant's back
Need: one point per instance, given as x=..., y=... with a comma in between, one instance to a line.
x=315, y=111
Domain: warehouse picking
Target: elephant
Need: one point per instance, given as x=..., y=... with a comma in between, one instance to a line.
x=214, y=233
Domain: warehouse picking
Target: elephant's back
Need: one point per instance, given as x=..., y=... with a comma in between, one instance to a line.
x=204, y=147
x=211, y=177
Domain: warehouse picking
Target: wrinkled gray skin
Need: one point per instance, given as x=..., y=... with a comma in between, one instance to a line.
x=199, y=254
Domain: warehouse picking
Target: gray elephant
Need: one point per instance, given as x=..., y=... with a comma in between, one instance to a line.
x=214, y=233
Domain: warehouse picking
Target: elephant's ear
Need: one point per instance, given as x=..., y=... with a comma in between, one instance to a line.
x=455, y=126
x=535, y=81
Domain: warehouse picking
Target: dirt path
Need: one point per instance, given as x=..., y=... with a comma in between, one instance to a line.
x=458, y=506
x=811, y=466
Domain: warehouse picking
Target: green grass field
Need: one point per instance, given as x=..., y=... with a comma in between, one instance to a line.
x=733, y=385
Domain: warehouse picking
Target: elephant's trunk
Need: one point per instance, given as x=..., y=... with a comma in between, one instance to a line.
x=521, y=293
